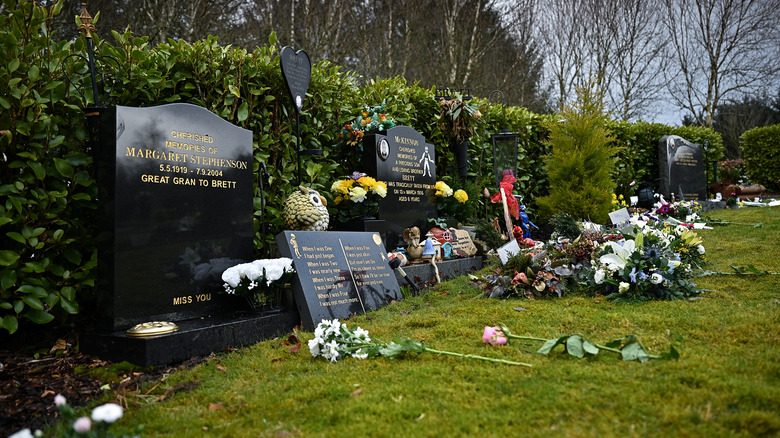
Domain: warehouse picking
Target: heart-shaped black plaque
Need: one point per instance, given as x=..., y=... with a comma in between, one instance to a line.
x=296, y=70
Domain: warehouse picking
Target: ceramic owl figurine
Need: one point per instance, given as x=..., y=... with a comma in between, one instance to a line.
x=306, y=210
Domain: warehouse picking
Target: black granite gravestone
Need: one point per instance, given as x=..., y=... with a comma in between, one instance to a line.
x=338, y=273
x=176, y=190
x=175, y=198
x=681, y=169
x=402, y=159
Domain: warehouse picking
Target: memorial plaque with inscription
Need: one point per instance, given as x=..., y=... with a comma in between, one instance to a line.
x=296, y=69
x=681, y=168
x=402, y=159
x=338, y=273
x=175, y=194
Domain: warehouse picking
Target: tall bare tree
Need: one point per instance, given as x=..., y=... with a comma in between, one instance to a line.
x=636, y=60
x=720, y=48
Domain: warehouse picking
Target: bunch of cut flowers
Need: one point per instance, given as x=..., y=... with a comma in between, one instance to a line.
x=357, y=196
x=334, y=340
x=686, y=211
x=645, y=264
x=260, y=282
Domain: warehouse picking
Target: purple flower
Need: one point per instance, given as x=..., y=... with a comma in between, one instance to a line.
x=357, y=175
x=632, y=275
x=642, y=276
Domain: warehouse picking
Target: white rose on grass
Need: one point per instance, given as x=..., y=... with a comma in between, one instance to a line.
x=700, y=249
x=656, y=278
x=107, y=413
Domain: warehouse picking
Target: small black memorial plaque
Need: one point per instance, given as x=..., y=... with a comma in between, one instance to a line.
x=338, y=273
x=402, y=159
x=681, y=168
x=175, y=194
x=296, y=69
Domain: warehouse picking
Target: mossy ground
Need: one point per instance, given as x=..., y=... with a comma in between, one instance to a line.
x=725, y=383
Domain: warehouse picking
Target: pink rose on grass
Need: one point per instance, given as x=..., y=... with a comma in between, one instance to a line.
x=494, y=336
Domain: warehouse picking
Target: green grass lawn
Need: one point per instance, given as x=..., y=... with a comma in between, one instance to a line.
x=725, y=383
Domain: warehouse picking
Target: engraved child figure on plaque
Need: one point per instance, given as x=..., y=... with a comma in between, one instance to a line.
x=426, y=160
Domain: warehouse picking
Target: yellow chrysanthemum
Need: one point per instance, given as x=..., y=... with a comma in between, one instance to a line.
x=367, y=183
x=461, y=196
x=442, y=189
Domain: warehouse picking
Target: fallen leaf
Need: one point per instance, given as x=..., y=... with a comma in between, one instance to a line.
x=356, y=392
x=398, y=399
x=295, y=348
x=221, y=368
x=278, y=359
x=293, y=339
x=596, y=301
x=215, y=406
x=60, y=345
x=420, y=417
x=46, y=393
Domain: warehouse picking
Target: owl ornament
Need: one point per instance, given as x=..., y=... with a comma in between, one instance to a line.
x=305, y=210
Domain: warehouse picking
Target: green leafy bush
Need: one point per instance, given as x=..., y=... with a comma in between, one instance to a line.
x=761, y=150
x=47, y=256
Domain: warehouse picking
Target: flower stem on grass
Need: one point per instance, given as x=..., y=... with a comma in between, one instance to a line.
x=472, y=356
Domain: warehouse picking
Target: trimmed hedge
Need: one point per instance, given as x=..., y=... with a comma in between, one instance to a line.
x=761, y=151
x=47, y=196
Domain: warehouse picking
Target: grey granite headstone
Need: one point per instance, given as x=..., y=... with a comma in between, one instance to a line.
x=402, y=159
x=338, y=274
x=681, y=169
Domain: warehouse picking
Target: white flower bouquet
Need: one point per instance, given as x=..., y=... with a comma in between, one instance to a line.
x=260, y=282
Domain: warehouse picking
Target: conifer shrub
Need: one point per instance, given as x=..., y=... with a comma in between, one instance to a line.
x=581, y=163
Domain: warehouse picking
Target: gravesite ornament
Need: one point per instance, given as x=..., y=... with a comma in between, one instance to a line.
x=296, y=70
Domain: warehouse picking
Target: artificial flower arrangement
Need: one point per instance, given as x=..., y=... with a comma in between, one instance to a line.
x=449, y=203
x=371, y=120
x=731, y=171
x=357, y=196
x=457, y=116
x=260, y=282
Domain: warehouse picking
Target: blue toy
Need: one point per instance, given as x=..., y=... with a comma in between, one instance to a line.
x=526, y=223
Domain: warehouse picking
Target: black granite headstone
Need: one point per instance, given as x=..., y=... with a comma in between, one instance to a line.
x=175, y=193
x=681, y=168
x=338, y=273
x=402, y=159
